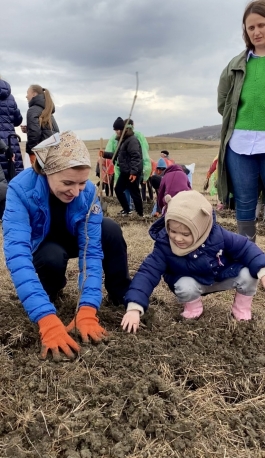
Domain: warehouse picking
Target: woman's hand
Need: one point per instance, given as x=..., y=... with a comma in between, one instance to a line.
x=54, y=337
x=131, y=321
x=263, y=281
x=87, y=324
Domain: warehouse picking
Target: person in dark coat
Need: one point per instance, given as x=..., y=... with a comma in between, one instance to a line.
x=196, y=256
x=10, y=117
x=41, y=123
x=3, y=181
x=130, y=161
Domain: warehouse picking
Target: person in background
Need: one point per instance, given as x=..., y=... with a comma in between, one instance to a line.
x=147, y=166
x=107, y=176
x=156, y=181
x=173, y=181
x=10, y=117
x=53, y=214
x=211, y=179
x=165, y=155
x=195, y=256
x=3, y=181
x=241, y=100
x=129, y=160
x=41, y=123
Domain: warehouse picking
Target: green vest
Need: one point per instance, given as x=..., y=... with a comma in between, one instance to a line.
x=251, y=108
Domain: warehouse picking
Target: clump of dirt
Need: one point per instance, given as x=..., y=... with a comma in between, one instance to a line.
x=184, y=389
x=176, y=389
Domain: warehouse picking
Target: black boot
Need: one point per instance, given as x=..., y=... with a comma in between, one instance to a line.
x=248, y=229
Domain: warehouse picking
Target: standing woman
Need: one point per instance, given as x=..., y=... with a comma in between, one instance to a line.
x=241, y=102
x=40, y=120
x=10, y=117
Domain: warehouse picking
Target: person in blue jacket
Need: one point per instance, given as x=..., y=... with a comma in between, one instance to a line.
x=53, y=214
x=10, y=117
x=196, y=256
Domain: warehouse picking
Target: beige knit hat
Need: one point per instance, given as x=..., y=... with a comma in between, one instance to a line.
x=64, y=154
x=192, y=209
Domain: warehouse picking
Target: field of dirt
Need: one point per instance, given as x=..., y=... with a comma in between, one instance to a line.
x=184, y=389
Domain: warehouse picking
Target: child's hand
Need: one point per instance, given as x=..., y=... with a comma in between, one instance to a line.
x=131, y=320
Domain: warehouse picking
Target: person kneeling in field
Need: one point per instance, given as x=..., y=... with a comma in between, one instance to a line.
x=196, y=256
x=53, y=214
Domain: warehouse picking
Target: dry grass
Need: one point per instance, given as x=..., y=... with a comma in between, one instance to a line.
x=177, y=389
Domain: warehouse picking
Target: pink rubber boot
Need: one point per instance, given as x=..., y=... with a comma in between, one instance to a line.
x=193, y=309
x=241, y=308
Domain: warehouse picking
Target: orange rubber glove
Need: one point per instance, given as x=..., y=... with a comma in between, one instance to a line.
x=132, y=178
x=54, y=336
x=87, y=323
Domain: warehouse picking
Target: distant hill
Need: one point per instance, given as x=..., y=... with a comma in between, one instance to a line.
x=202, y=133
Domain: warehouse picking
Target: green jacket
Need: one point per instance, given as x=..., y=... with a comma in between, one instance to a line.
x=147, y=166
x=229, y=90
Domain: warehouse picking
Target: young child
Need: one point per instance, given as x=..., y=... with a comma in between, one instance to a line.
x=195, y=256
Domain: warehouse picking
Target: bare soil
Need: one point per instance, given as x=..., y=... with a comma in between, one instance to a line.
x=178, y=388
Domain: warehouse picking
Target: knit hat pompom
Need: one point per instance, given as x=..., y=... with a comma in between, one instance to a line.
x=193, y=210
x=167, y=198
x=118, y=124
x=161, y=163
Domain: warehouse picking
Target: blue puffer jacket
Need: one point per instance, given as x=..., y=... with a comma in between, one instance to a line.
x=26, y=223
x=202, y=264
x=10, y=117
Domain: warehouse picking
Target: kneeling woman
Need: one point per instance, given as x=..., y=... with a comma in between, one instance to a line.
x=53, y=214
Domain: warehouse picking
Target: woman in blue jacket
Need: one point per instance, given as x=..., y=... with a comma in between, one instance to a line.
x=10, y=117
x=196, y=256
x=53, y=214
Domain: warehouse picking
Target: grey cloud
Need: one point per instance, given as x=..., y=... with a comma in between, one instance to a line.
x=87, y=52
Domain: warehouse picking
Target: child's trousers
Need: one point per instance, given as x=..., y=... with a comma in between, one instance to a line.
x=187, y=289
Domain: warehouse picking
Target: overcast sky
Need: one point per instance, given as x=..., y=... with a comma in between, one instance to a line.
x=86, y=52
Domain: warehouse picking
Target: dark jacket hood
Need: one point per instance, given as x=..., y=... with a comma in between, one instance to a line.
x=39, y=100
x=5, y=90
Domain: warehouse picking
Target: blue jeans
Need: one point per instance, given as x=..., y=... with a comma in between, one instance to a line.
x=245, y=172
x=128, y=197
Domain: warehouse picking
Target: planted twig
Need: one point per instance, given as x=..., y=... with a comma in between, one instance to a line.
x=84, y=279
x=99, y=191
x=100, y=173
